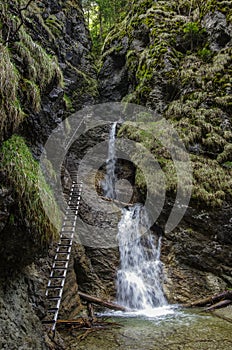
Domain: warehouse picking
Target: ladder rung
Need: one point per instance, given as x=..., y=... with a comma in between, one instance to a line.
x=54, y=296
x=65, y=238
x=48, y=321
x=62, y=260
x=65, y=246
x=53, y=309
x=54, y=272
x=68, y=248
x=68, y=231
x=60, y=263
x=60, y=284
x=55, y=265
x=67, y=235
x=64, y=251
x=69, y=212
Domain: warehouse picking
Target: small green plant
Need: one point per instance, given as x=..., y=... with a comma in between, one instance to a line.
x=205, y=54
x=191, y=28
x=68, y=103
x=227, y=165
x=193, y=34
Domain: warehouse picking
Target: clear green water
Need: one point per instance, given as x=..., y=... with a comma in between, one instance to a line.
x=181, y=330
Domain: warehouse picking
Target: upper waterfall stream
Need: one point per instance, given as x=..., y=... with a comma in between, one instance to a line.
x=108, y=184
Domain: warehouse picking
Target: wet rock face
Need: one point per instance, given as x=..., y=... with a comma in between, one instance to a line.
x=20, y=326
x=196, y=254
x=218, y=30
x=17, y=247
x=113, y=77
x=71, y=44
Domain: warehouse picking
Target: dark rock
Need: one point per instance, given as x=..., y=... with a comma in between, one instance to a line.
x=142, y=35
x=113, y=79
x=56, y=94
x=72, y=47
x=217, y=29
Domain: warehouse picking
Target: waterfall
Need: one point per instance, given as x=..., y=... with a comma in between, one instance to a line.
x=139, y=279
x=108, y=184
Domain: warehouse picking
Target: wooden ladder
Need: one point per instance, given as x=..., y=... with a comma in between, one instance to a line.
x=60, y=264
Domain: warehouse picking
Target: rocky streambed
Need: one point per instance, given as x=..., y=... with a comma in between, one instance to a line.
x=180, y=330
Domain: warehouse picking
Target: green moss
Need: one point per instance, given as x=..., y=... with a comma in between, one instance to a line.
x=55, y=25
x=228, y=165
x=41, y=68
x=205, y=54
x=32, y=92
x=68, y=103
x=22, y=174
x=10, y=109
x=26, y=68
x=226, y=156
x=177, y=68
x=212, y=183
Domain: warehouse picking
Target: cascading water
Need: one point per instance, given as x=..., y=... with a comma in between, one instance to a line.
x=139, y=280
x=108, y=184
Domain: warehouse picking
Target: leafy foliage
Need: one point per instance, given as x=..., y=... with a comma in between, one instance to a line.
x=101, y=15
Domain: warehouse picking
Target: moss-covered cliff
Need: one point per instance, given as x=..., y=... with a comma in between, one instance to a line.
x=176, y=57
x=46, y=73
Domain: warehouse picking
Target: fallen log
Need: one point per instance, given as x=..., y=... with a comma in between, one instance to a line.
x=210, y=300
x=219, y=305
x=85, y=325
x=98, y=301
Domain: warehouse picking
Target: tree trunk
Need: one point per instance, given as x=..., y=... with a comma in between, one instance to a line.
x=219, y=305
x=211, y=300
x=101, y=302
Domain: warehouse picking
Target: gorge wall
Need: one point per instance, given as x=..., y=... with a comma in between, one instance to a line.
x=165, y=55
x=47, y=73
x=175, y=58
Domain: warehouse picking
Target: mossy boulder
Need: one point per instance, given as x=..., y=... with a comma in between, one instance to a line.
x=28, y=231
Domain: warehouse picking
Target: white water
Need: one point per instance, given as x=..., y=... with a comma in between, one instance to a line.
x=108, y=184
x=139, y=280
